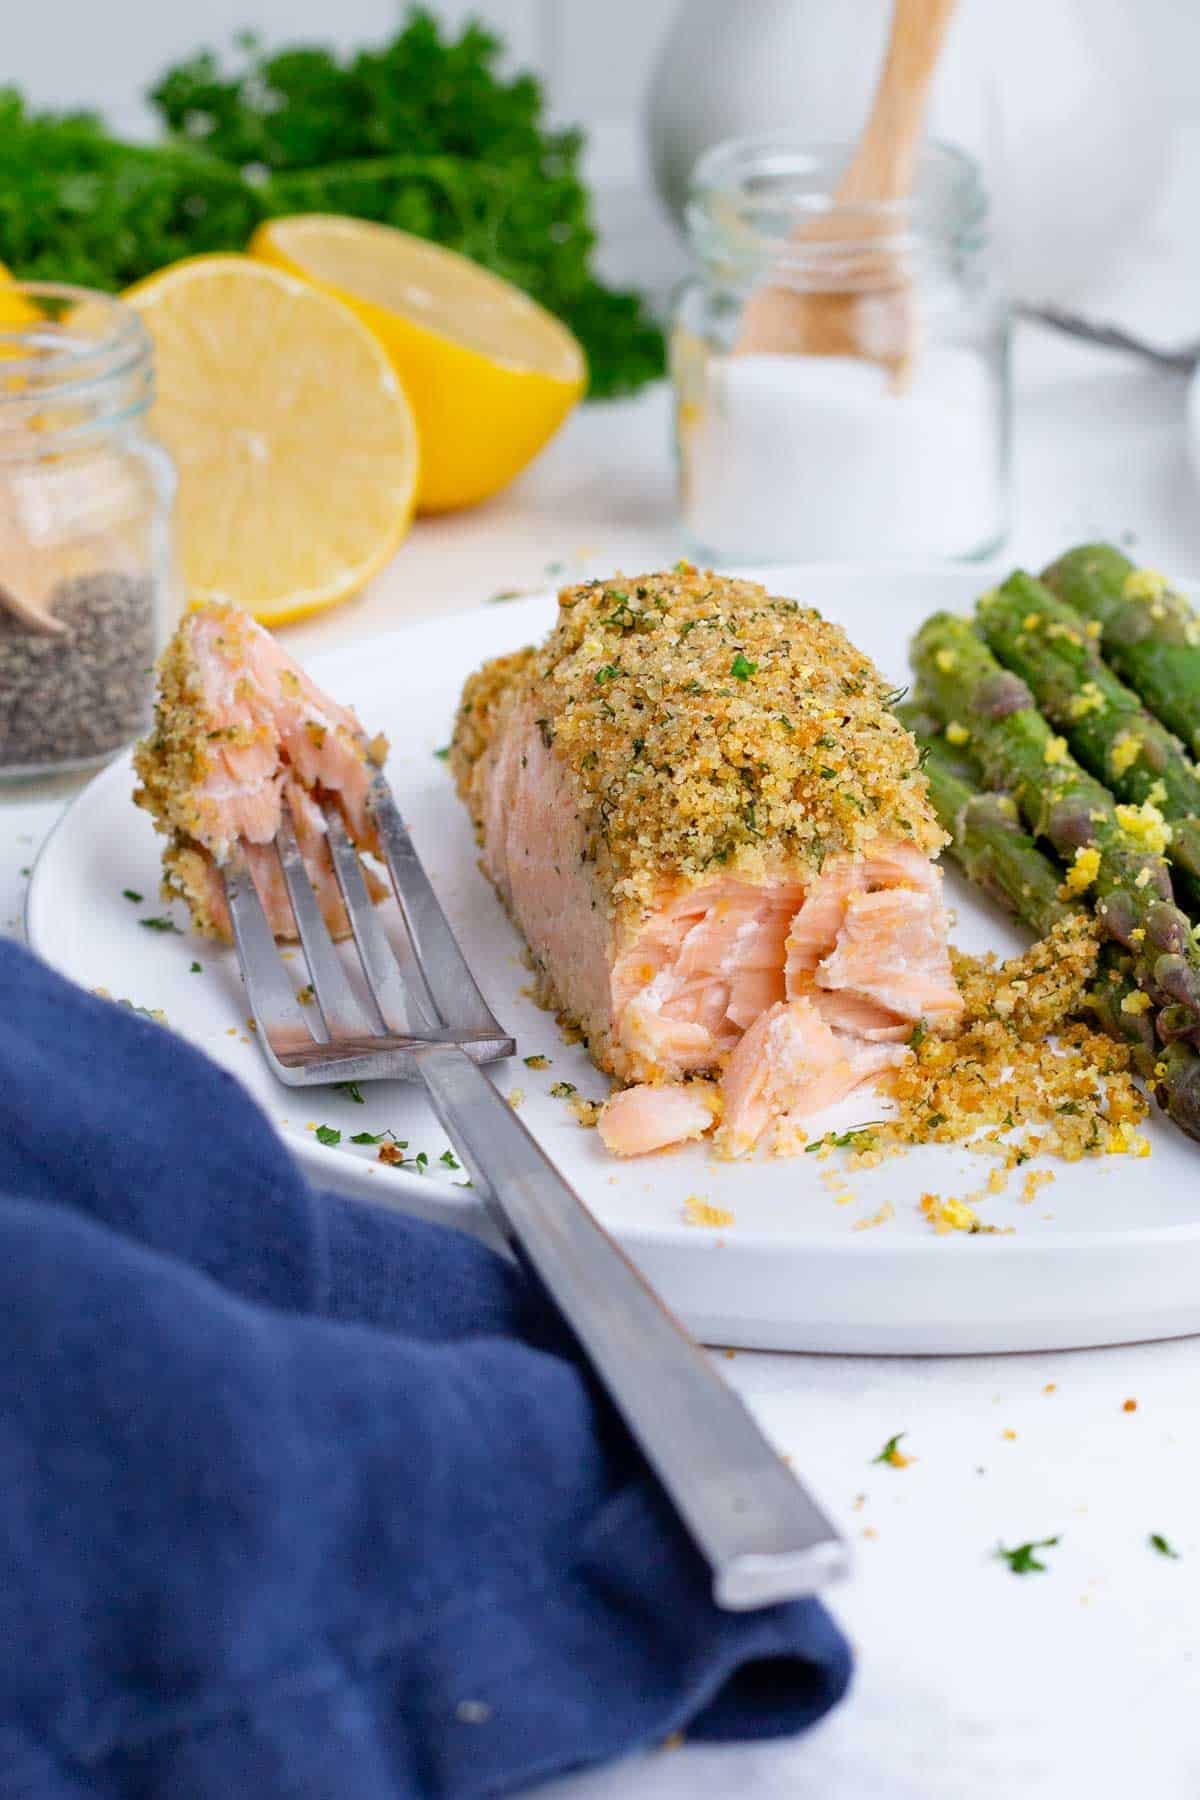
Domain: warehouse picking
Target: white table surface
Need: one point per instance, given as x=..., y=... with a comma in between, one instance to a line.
x=972, y=1684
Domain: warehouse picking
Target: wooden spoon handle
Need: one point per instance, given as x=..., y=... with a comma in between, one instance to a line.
x=882, y=167
x=42, y=624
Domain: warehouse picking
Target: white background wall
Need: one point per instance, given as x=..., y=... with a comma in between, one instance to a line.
x=594, y=54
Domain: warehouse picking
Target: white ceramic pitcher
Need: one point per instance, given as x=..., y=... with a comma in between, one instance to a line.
x=1056, y=97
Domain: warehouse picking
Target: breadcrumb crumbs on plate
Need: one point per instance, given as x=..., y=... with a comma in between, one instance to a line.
x=585, y=1112
x=515, y=1097
x=701, y=1212
x=1020, y=1076
x=1009, y=1436
x=1051, y=1387
x=950, y=1215
x=1035, y=1179
x=1129, y=1406
x=1125, y=1141
x=886, y=1211
x=868, y=1531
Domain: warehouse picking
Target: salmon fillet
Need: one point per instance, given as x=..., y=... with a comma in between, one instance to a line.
x=240, y=730
x=716, y=839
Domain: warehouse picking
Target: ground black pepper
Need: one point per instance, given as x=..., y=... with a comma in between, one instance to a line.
x=78, y=697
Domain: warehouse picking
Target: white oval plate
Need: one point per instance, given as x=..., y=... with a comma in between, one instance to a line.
x=1107, y=1253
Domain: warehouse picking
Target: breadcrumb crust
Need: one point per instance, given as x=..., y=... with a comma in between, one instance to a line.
x=705, y=723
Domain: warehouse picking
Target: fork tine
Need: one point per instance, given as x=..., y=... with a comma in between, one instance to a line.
x=401, y=996
x=340, y=1009
x=449, y=980
x=272, y=1000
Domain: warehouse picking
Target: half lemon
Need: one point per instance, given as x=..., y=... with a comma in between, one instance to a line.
x=491, y=375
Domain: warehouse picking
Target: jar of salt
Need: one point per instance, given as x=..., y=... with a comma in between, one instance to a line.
x=87, y=593
x=841, y=375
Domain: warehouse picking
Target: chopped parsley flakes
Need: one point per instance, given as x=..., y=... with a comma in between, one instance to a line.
x=351, y=1090
x=1024, y=1560
x=392, y=1149
x=858, y=1137
x=162, y=924
x=327, y=1134
x=133, y=895
x=892, y=1455
x=1158, y=1542
x=742, y=668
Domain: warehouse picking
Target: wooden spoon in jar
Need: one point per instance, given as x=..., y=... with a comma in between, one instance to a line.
x=22, y=583
x=873, y=317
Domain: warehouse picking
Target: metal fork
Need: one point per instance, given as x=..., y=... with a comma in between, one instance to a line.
x=764, y=1537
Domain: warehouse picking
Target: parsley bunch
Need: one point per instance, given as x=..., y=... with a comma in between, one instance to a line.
x=423, y=134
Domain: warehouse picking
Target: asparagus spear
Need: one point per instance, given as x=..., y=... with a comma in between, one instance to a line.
x=1011, y=738
x=1150, y=634
x=1047, y=643
x=993, y=710
x=987, y=837
x=990, y=845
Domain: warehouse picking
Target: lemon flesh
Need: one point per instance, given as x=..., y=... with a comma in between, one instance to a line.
x=294, y=442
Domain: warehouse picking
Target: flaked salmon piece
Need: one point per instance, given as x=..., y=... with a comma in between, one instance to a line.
x=789, y=1064
x=891, y=949
x=680, y=800
x=701, y=970
x=860, y=1017
x=239, y=731
x=814, y=930
x=640, y=1119
x=757, y=989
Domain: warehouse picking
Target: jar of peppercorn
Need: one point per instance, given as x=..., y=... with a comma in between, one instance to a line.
x=87, y=589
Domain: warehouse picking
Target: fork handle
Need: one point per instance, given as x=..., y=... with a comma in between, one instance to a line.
x=763, y=1535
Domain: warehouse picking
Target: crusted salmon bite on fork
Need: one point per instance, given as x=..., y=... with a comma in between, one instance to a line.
x=240, y=730
x=717, y=841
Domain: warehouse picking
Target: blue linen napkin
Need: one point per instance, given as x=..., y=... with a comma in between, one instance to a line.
x=301, y=1497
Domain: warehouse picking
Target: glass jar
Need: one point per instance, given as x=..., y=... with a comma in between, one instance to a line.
x=841, y=374
x=87, y=591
